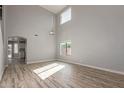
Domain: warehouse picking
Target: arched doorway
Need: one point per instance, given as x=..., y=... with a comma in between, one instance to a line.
x=17, y=49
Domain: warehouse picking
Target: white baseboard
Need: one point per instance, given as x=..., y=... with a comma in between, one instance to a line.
x=99, y=68
x=41, y=60
x=2, y=73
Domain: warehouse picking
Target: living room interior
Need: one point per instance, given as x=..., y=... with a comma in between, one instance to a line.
x=61, y=46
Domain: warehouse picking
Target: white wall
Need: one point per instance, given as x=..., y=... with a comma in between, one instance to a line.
x=97, y=35
x=4, y=15
x=1, y=53
x=26, y=21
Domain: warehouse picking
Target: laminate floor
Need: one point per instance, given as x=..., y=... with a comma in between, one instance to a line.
x=58, y=75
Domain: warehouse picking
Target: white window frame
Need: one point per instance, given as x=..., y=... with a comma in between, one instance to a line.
x=68, y=49
x=65, y=51
x=16, y=48
x=66, y=16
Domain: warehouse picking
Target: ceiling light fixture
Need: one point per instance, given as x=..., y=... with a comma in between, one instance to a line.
x=52, y=32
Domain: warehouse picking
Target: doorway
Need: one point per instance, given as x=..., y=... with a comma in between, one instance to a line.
x=17, y=49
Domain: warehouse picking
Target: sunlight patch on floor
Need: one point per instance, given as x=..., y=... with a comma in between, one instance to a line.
x=41, y=69
x=47, y=71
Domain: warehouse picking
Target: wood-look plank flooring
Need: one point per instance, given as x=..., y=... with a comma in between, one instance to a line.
x=19, y=75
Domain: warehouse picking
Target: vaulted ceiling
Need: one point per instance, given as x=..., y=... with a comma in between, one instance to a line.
x=54, y=8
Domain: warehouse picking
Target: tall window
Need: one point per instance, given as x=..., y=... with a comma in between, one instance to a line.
x=16, y=48
x=68, y=48
x=9, y=50
x=65, y=48
x=65, y=16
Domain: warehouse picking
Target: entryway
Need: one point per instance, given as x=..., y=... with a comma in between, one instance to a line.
x=17, y=49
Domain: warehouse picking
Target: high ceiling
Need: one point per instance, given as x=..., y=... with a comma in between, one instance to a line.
x=53, y=8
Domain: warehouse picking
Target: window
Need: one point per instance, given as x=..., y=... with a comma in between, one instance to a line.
x=68, y=48
x=65, y=16
x=9, y=50
x=15, y=48
x=65, y=48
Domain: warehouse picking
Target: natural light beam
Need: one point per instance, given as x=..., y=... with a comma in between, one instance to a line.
x=39, y=70
x=50, y=72
x=46, y=71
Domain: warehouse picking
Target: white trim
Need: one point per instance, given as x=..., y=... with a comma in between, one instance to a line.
x=38, y=61
x=2, y=73
x=99, y=68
